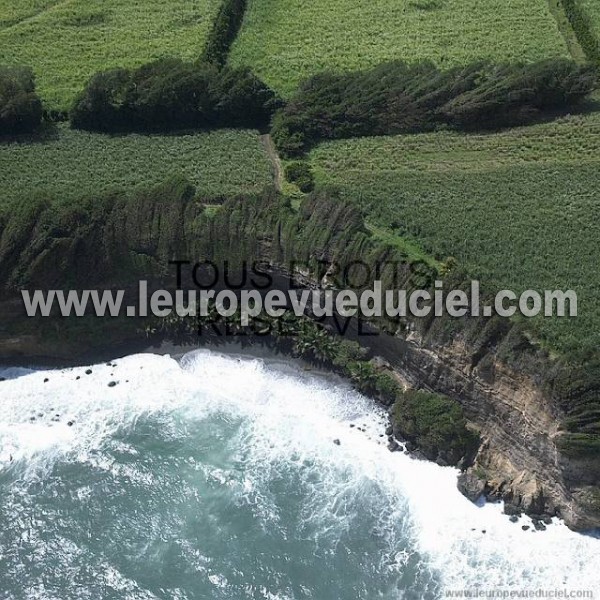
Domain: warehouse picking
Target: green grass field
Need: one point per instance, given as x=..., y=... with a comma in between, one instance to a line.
x=519, y=209
x=70, y=40
x=77, y=163
x=13, y=11
x=288, y=40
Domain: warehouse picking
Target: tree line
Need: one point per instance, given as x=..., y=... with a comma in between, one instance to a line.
x=398, y=97
x=170, y=94
x=395, y=97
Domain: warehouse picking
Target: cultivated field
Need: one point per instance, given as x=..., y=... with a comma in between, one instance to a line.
x=77, y=163
x=66, y=42
x=519, y=209
x=288, y=40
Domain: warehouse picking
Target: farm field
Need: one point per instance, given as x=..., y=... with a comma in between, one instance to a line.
x=70, y=41
x=519, y=209
x=289, y=40
x=77, y=163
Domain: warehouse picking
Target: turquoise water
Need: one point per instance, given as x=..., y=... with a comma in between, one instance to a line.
x=218, y=477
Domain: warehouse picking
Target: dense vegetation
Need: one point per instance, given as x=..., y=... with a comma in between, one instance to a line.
x=398, y=98
x=20, y=107
x=170, y=94
x=300, y=174
x=72, y=41
x=584, y=16
x=75, y=163
x=592, y=11
x=287, y=41
x=224, y=31
x=436, y=424
x=516, y=208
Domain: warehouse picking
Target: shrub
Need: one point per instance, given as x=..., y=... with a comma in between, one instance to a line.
x=436, y=424
x=301, y=174
x=583, y=29
x=170, y=94
x=399, y=98
x=20, y=107
x=224, y=31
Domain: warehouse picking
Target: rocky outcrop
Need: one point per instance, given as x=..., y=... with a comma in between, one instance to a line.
x=518, y=461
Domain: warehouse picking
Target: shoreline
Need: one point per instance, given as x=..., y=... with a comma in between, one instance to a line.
x=259, y=348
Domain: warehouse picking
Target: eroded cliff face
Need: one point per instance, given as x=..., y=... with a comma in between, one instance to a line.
x=505, y=394
x=518, y=461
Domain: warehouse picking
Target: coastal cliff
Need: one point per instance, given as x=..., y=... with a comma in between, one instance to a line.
x=538, y=452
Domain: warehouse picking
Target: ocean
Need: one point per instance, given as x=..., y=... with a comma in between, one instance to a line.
x=229, y=477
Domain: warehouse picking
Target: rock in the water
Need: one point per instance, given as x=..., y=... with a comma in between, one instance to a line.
x=70, y=423
x=112, y=384
x=337, y=442
x=393, y=446
x=513, y=518
x=470, y=485
x=88, y=372
x=46, y=380
x=410, y=446
x=539, y=525
x=524, y=527
x=440, y=461
x=511, y=509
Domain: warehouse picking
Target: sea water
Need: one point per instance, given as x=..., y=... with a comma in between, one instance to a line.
x=225, y=477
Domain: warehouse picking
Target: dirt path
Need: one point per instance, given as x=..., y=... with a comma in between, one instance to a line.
x=267, y=142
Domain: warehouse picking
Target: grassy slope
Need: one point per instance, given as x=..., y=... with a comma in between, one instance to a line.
x=76, y=163
x=74, y=39
x=14, y=11
x=286, y=41
x=518, y=208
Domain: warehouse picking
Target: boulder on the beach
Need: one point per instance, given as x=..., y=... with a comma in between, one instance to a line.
x=470, y=485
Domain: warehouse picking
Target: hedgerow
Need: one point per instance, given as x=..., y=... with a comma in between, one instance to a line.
x=400, y=98
x=170, y=94
x=224, y=31
x=581, y=24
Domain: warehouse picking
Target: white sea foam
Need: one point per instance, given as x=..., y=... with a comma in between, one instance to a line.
x=292, y=418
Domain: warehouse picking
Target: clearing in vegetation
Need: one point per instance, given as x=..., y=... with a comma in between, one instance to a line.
x=289, y=40
x=518, y=209
x=76, y=164
x=71, y=41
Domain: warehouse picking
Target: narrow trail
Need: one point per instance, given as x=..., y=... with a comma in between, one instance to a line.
x=269, y=146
